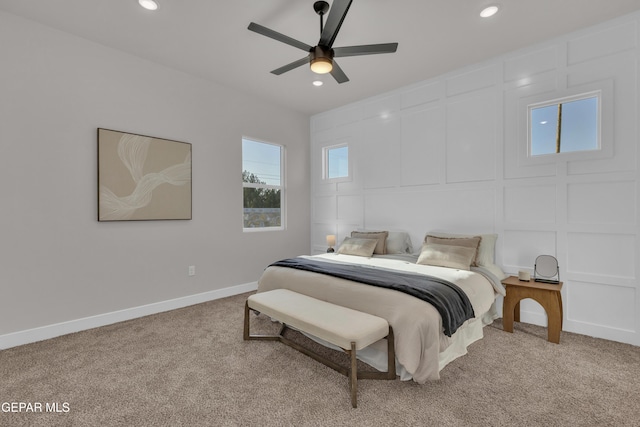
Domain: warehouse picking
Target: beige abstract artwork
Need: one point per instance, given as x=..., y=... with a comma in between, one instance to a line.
x=142, y=178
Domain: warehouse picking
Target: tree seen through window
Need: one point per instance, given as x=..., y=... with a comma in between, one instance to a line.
x=262, y=185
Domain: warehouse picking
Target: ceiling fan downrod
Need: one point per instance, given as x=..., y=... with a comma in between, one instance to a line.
x=321, y=8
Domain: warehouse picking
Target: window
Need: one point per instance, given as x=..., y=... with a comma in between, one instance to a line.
x=567, y=125
x=336, y=162
x=263, y=188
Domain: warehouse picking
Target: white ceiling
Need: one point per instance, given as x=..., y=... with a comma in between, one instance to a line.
x=209, y=38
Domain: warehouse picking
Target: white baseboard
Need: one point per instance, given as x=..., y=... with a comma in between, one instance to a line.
x=15, y=339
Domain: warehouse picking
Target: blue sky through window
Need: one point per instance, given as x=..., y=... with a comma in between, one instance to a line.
x=579, y=130
x=338, y=162
x=263, y=160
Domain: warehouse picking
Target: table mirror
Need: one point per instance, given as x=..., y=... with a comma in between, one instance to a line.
x=546, y=269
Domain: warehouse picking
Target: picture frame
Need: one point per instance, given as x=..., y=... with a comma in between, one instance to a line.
x=143, y=178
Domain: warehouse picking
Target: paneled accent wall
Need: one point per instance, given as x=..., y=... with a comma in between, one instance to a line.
x=449, y=154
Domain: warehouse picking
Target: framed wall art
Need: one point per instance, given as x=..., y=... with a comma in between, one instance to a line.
x=142, y=178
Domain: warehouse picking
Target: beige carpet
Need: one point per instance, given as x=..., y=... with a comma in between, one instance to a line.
x=190, y=367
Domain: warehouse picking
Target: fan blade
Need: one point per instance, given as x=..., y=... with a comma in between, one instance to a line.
x=289, y=67
x=368, y=49
x=338, y=74
x=338, y=11
x=278, y=36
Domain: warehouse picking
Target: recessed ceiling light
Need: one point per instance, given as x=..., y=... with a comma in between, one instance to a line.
x=148, y=4
x=489, y=11
x=317, y=83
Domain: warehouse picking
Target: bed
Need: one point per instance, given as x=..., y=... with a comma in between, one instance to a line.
x=422, y=347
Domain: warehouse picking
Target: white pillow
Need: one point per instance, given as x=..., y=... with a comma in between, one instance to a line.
x=495, y=270
x=399, y=242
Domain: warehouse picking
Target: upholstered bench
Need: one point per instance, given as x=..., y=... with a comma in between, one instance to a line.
x=348, y=329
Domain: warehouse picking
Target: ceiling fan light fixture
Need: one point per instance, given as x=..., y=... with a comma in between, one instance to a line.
x=148, y=4
x=321, y=65
x=320, y=57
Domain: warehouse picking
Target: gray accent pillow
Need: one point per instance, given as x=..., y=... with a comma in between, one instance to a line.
x=486, y=248
x=466, y=242
x=356, y=246
x=459, y=257
x=381, y=236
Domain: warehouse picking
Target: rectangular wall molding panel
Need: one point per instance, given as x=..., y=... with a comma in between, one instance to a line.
x=450, y=154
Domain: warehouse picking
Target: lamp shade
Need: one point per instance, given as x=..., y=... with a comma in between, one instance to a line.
x=321, y=65
x=331, y=240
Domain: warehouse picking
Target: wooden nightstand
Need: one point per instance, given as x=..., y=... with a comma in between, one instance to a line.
x=546, y=294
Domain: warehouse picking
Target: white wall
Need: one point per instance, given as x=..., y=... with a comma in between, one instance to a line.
x=445, y=154
x=62, y=270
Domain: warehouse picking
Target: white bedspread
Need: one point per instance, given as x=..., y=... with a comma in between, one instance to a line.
x=422, y=349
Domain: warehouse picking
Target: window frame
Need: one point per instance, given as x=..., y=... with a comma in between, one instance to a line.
x=602, y=89
x=564, y=100
x=325, y=163
x=281, y=187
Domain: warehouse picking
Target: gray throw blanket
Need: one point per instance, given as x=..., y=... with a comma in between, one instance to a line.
x=450, y=301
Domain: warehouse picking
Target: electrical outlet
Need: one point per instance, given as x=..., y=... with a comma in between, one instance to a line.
x=192, y=270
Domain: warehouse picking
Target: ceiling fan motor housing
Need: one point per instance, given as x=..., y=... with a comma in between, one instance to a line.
x=321, y=52
x=322, y=57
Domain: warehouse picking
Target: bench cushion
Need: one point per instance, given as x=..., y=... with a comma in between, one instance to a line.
x=333, y=323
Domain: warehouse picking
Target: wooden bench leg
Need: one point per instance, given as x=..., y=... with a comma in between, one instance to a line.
x=246, y=335
x=391, y=356
x=351, y=372
x=353, y=376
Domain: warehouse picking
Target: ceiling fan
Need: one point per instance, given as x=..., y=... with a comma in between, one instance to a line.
x=321, y=56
